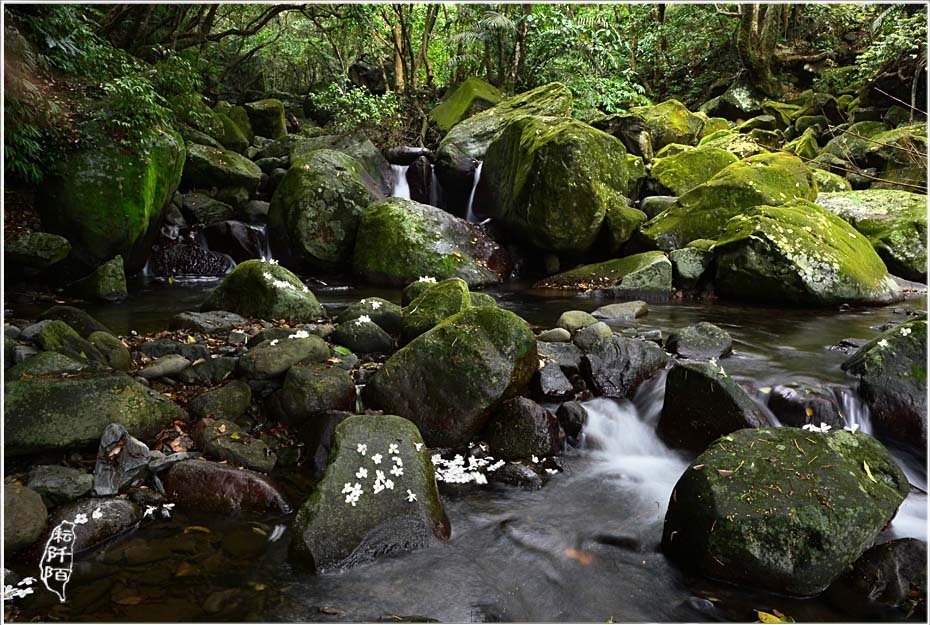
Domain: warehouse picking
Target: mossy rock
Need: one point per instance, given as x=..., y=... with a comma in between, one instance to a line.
x=805, y=145
x=839, y=81
x=378, y=176
x=828, y=182
x=36, y=250
x=821, y=104
x=703, y=212
x=311, y=389
x=316, y=209
x=264, y=290
x=334, y=531
x=636, y=174
x=114, y=351
x=781, y=112
x=670, y=122
x=649, y=273
x=61, y=413
x=712, y=124
x=190, y=110
x=80, y=320
x=553, y=180
x=271, y=358
x=739, y=101
x=108, y=200
x=782, y=509
x=689, y=264
x=799, y=253
x=819, y=123
x=415, y=289
x=901, y=154
x=267, y=118
x=44, y=363
x=852, y=146
x=386, y=314
x=620, y=224
x=443, y=300
x=464, y=100
x=58, y=336
x=208, y=167
x=733, y=141
x=401, y=240
x=759, y=122
x=363, y=337
x=107, y=282
x=233, y=138
x=447, y=380
x=679, y=173
x=894, y=222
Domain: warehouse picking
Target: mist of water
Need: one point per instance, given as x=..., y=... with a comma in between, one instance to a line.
x=401, y=188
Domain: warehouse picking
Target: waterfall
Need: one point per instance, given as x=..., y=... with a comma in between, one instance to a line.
x=264, y=242
x=469, y=214
x=435, y=191
x=401, y=188
x=854, y=409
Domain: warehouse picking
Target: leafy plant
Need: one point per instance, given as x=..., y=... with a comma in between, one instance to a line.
x=353, y=109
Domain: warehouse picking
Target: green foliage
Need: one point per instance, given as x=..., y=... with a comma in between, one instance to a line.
x=900, y=37
x=355, y=109
x=131, y=107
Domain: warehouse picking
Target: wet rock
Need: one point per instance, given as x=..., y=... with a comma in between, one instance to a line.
x=623, y=311
x=44, y=363
x=255, y=212
x=377, y=174
x=58, y=336
x=209, y=372
x=574, y=320
x=223, y=439
x=20, y=352
x=24, y=517
x=566, y=355
x=199, y=208
x=555, y=335
x=82, y=322
x=677, y=174
x=520, y=429
x=741, y=513
x=440, y=301
x=229, y=401
x=363, y=337
x=265, y=290
x=114, y=351
x=702, y=341
x=517, y=474
x=36, y=250
x=239, y=241
x=58, y=484
x=206, y=167
x=702, y=403
x=335, y=529
x=655, y=204
x=167, y=347
x=206, y=322
x=116, y=516
x=312, y=389
x=586, y=337
x=642, y=275
x=689, y=265
x=463, y=101
x=616, y=366
x=572, y=417
x=107, y=282
x=270, y=359
x=552, y=382
x=121, y=459
x=405, y=154
x=165, y=367
x=317, y=436
x=208, y=487
x=799, y=404
x=420, y=180
x=387, y=315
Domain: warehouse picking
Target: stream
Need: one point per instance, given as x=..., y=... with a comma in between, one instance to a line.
x=584, y=548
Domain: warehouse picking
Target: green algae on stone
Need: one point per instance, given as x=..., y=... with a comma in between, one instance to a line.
x=190, y=110
x=670, y=122
x=377, y=174
x=267, y=118
x=443, y=300
x=649, y=272
x=801, y=254
x=464, y=100
x=36, y=250
x=44, y=363
x=233, y=137
x=781, y=509
x=828, y=182
x=733, y=141
x=679, y=173
x=208, y=167
x=258, y=288
x=107, y=282
x=805, y=145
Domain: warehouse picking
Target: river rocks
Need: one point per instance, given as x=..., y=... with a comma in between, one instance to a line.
x=435, y=304
x=24, y=517
x=621, y=311
x=209, y=487
x=182, y=259
x=555, y=335
x=669, y=122
x=315, y=210
x=703, y=403
x=690, y=263
x=566, y=355
x=208, y=167
x=572, y=416
x=363, y=336
x=520, y=429
x=574, y=320
x=702, y=213
x=400, y=240
x=901, y=157
x=163, y=347
x=60, y=413
x=115, y=353
x=893, y=381
x=233, y=138
x=206, y=322
x=736, y=143
x=58, y=484
x=378, y=497
x=209, y=372
x=386, y=314
x=830, y=183
x=223, y=439
x=799, y=404
x=678, y=174
x=462, y=101
x=739, y=101
x=377, y=174
x=312, y=389
x=616, y=366
x=121, y=460
x=108, y=201
x=270, y=359
x=446, y=380
x=265, y=290
x=114, y=517
x=782, y=509
x=894, y=222
x=165, y=367
x=36, y=250
x=107, y=282
x=81, y=321
x=526, y=184
x=552, y=382
x=266, y=117
x=58, y=336
x=649, y=273
x=799, y=253
x=200, y=208
x=229, y=401
x=586, y=337
x=701, y=341
x=44, y=363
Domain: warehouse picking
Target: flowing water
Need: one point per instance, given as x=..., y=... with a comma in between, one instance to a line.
x=584, y=548
x=401, y=187
x=469, y=212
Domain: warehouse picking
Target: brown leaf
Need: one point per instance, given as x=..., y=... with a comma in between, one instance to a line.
x=583, y=557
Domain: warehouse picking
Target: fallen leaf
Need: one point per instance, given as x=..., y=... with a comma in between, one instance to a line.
x=583, y=557
x=186, y=570
x=191, y=340
x=196, y=528
x=130, y=600
x=865, y=465
x=725, y=472
x=331, y=611
x=809, y=411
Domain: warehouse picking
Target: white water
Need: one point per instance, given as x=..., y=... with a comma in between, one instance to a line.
x=435, y=191
x=855, y=410
x=469, y=213
x=265, y=245
x=401, y=188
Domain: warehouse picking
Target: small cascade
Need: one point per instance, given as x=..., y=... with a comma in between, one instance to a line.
x=264, y=247
x=359, y=405
x=469, y=213
x=401, y=188
x=435, y=190
x=854, y=409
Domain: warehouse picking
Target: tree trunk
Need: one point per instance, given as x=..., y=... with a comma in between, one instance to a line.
x=516, y=67
x=663, y=49
x=756, y=38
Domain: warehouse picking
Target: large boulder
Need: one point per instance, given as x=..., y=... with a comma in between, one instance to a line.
x=233, y=138
x=447, y=380
x=316, y=209
x=893, y=382
x=35, y=250
x=108, y=200
x=554, y=180
x=894, y=222
x=702, y=341
x=851, y=147
x=736, y=143
x=58, y=413
x=616, y=366
x=401, y=240
x=427, y=310
x=521, y=429
x=782, y=509
x=312, y=389
x=207, y=167
x=24, y=517
x=646, y=274
x=901, y=156
x=739, y=101
x=464, y=100
x=273, y=357
x=378, y=497
x=799, y=253
x=669, y=122
x=703, y=212
x=258, y=288
x=212, y=488
x=266, y=118
x=377, y=174
x=679, y=173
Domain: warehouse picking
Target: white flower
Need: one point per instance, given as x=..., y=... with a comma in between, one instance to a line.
x=149, y=511
x=80, y=519
x=271, y=261
x=905, y=331
x=362, y=448
x=418, y=446
x=379, y=475
x=300, y=334
x=534, y=459
x=347, y=488
x=852, y=428
x=361, y=473
x=393, y=449
x=362, y=319
x=411, y=497
x=97, y=514
x=274, y=342
x=479, y=478
x=883, y=343
x=355, y=492
x=824, y=427
x=27, y=581
x=378, y=487
x=397, y=471
x=397, y=460
x=375, y=305
x=389, y=484
x=551, y=471
x=376, y=458
x=429, y=279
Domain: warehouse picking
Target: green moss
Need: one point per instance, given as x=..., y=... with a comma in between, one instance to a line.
x=806, y=145
x=208, y=167
x=443, y=300
x=781, y=111
x=267, y=118
x=256, y=288
x=679, y=173
x=828, y=182
x=733, y=141
x=190, y=109
x=670, y=122
x=233, y=138
x=646, y=272
x=36, y=250
x=464, y=100
x=107, y=282
x=853, y=145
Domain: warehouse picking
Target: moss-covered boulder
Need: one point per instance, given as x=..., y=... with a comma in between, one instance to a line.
x=400, y=240
x=35, y=250
x=316, y=209
x=208, y=167
x=739, y=144
x=851, y=147
x=820, y=104
x=363, y=336
x=679, y=173
x=669, y=122
x=273, y=357
x=781, y=112
x=108, y=200
x=107, y=282
x=239, y=116
x=386, y=314
x=739, y=101
x=464, y=100
x=703, y=212
x=190, y=110
x=894, y=222
x=311, y=389
x=377, y=176
x=901, y=155
x=233, y=138
x=447, y=380
x=59, y=413
x=378, y=497
x=258, y=288
x=828, y=182
x=801, y=254
x=893, y=381
x=805, y=145
x=44, y=363
x=649, y=273
x=782, y=509
x=443, y=300
x=553, y=181
x=58, y=336
x=267, y=118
